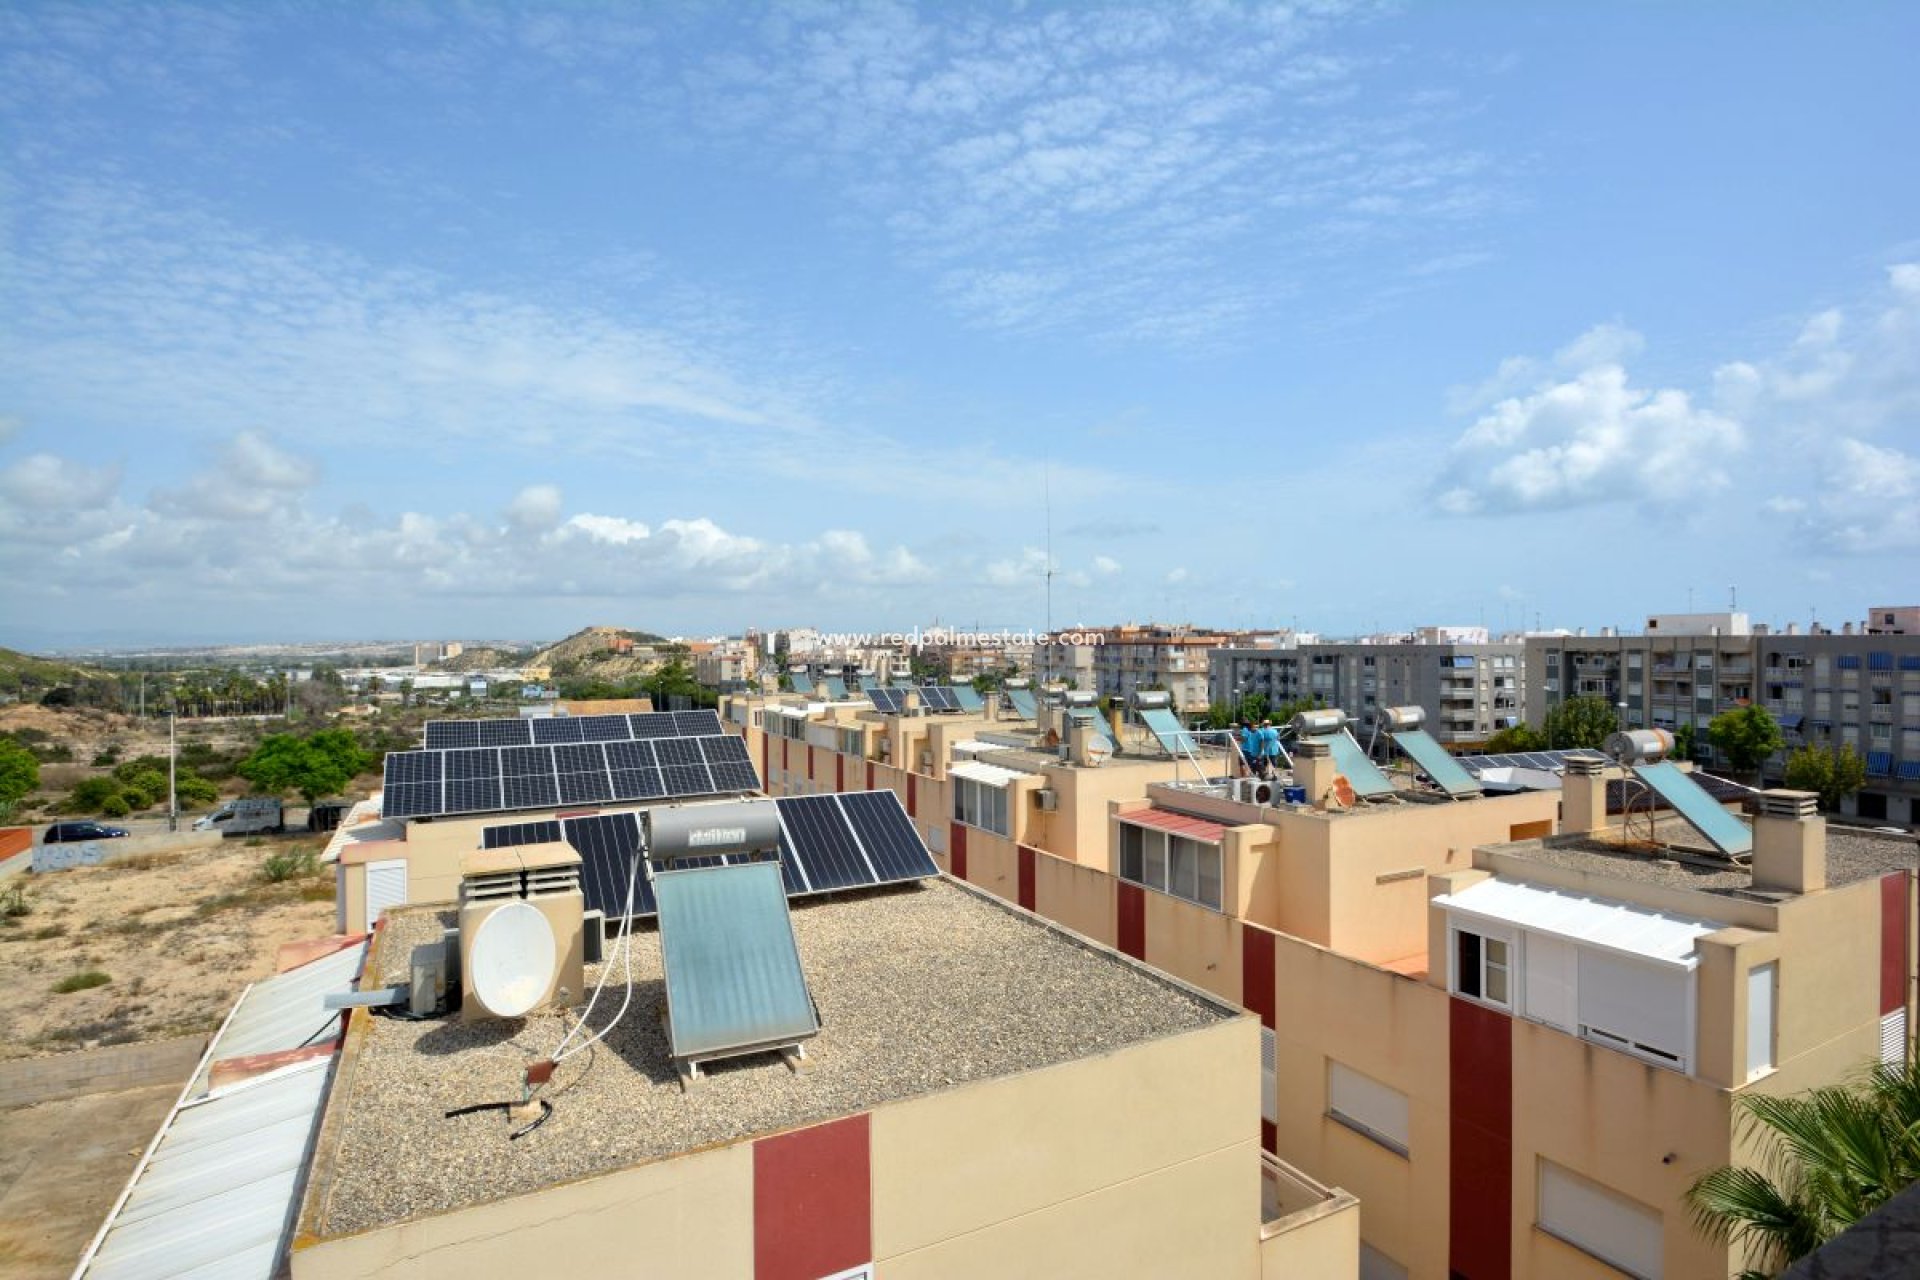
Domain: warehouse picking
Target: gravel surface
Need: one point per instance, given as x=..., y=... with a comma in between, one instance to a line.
x=918, y=989
x=1851, y=856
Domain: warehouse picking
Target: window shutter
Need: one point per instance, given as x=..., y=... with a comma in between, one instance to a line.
x=1269, y=1100
x=1893, y=1037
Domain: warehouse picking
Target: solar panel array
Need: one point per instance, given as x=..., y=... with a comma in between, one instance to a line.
x=827, y=843
x=887, y=700
x=445, y=735
x=431, y=783
x=1446, y=772
x=1549, y=761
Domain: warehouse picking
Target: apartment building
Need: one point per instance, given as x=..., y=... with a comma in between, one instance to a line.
x=1132, y=658
x=1470, y=689
x=1856, y=687
x=1515, y=1029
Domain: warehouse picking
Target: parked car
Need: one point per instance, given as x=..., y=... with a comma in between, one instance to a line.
x=244, y=817
x=76, y=832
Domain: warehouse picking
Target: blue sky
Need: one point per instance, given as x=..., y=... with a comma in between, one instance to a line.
x=489, y=320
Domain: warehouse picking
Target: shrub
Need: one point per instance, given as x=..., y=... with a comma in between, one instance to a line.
x=14, y=904
x=292, y=864
x=85, y=980
x=111, y=756
x=115, y=806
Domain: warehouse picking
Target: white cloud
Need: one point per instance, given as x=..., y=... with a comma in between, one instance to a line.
x=1591, y=438
x=1105, y=566
x=249, y=478
x=46, y=482
x=1869, y=500
x=1177, y=575
x=536, y=508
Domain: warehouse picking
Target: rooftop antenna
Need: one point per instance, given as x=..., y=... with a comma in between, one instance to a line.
x=1046, y=482
x=1733, y=599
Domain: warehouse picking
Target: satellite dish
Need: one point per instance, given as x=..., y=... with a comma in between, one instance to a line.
x=511, y=964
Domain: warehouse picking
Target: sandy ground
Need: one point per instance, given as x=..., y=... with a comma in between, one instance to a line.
x=62, y=1164
x=178, y=934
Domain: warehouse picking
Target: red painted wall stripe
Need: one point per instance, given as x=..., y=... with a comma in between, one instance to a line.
x=1270, y=1136
x=839, y=773
x=870, y=775
x=912, y=794
x=1256, y=972
x=1132, y=923
x=1480, y=1173
x=766, y=756
x=1893, y=941
x=813, y=1201
x=1029, y=892
x=957, y=850
x=809, y=762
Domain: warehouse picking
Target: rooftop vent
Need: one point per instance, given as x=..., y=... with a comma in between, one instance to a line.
x=1789, y=804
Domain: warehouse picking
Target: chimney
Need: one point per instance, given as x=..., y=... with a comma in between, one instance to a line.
x=1846, y=628
x=1314, y=770
x=1793, y=628
x=1080, y=740
x=1583, y=795
x=1116, y=719
x=1789, y=843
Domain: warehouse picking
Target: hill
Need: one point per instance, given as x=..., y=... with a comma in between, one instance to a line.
x=605, y=653
x=26, y=677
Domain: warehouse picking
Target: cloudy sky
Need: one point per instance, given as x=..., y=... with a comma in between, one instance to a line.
x=495, y=321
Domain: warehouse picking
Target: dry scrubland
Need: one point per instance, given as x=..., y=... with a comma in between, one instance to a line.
x=176, y=936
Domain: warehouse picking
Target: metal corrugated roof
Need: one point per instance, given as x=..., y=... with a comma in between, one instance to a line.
x=1600, y=922
x=214, y=1197
x=287, y=1010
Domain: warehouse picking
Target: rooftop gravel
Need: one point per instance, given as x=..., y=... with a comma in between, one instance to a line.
x=919, y=989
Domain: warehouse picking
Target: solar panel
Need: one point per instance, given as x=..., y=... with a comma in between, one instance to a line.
x=410, y=800
x=1724, y=831
x=529, y=791
x=412, y=766
x=505, y=733
x=817, y=836
x=585, y=788
x=868, y=684
x=471, y=795
x=967, y=699
x=678, y=751
x=607, y=844
x=733, y=978
x=724, y=748
x=1093, y=720
x=892, y=842
x=653, y=724
x=696, y=724
x=608, y=728
x=1433, y=758
x=734, y=775
x=631, y=755
x=546, y=831
x=935, y=698
x=476, y=762
x=687, y=780
x=1166, y=729
x=1023, y=703
x=556, y=729
x=836, y=688
x=444, y=734
x=802, y=682
x=637, y=784
x=887, y=700
x=1349, y=759
x=516, y=762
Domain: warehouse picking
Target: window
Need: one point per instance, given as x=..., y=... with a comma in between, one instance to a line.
x=1269, y=1087
x=1636, y=1006
x=1893, y=1038
x=1167, y=863
x=1367, y=1107
x=1482, y=966
x=1761, y=988
x=981, y=804
x=1599, y=1221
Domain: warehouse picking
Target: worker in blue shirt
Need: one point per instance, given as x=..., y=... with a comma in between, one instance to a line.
x=1249, y=746
x=1269, y=749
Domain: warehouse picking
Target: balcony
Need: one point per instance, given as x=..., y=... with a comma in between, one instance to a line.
x=1305, y=1229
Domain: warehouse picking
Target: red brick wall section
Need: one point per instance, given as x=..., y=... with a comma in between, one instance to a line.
x=1893, y=942
x=957, y=850
x=1029, y=893
x=813, y=1201
x=1480, y=1176
x=1132, y=922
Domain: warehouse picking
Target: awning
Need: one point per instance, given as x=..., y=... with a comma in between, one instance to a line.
x=1596, y=922
x=791, y=713
x=991, y=775
x=1910, y=771
x=1791, y=721
x=1879, y=763
x=1178, y=824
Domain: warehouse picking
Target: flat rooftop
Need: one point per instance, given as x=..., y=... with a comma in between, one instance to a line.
x=919, y=989
x=1852, y=856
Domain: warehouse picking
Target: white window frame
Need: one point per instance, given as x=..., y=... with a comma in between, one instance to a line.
x=1506, y=967
x=1603, y=1240
x=981, y=804
x=1371, y=1107
x=1166, y=859
x=1763, y=1019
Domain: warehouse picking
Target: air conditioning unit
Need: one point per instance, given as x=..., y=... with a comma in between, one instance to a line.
x=1256, y=791
x=522, y=931
x=926, y=762
x=1047, y=799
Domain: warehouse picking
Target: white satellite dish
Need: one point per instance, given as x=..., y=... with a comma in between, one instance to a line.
x=511, y=964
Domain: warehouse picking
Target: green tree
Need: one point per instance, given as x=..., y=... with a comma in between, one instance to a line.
x=1829, y=1158
x=315, y=766
x=1834, y=772
x=19, y=771
x=1516, y=737
x=1579, y=723
x=1684, y=744
x=1746, y=736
